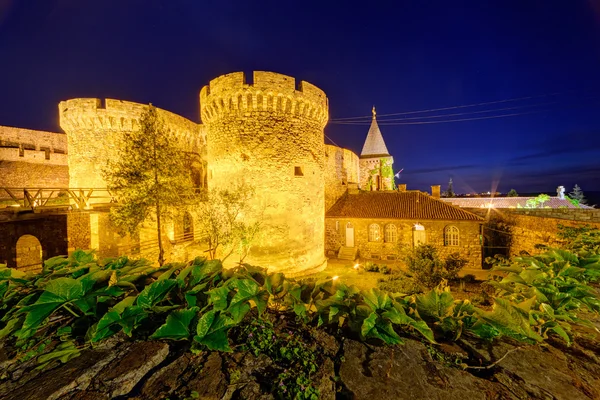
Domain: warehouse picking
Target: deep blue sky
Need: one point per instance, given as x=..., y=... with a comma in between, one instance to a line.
x=399, y=55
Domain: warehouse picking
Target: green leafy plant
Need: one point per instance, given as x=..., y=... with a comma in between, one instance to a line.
x=428, y=270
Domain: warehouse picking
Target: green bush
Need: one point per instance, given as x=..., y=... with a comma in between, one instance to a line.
x=371, y=267
x=429, y=270
x=398, y=283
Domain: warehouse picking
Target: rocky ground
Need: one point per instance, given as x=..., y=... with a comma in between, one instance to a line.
x=349, y=369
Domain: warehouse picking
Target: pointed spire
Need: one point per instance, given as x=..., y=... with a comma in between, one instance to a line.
x=374, y=144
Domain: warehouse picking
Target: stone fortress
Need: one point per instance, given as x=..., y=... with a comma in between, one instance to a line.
x=268, y=133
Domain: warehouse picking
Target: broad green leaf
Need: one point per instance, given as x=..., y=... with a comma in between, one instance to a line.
x=376, y=299
x=12, y=325
x=373, y=326
x=212, y=331
x=509, y=320
x=177, y=325
x=63, y=352
x=131, y=319
x=435, y=304
x=238, y=311
x=219, y=297
x=562, y=333
x=107, y=326
x=57, y=293
x=216, y=341
x=155, y=293
x=249, y=290
x=397, y=315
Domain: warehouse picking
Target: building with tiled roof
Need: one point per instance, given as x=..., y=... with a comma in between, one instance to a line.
x=376, y=163
x=378, y=225
x=414, y=205
x=508, y=202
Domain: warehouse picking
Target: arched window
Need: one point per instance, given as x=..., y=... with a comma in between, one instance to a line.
x=390, y=233
x=451, y=236
x=374, y=233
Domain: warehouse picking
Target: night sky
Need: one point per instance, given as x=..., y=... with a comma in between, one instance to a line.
x=401, y=56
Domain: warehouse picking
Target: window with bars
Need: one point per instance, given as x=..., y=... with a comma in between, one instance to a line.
x=451, y=236
x=390, y=233
x=374, y=233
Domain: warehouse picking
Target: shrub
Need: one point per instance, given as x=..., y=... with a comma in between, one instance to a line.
x=453, y=264
x=371, y=267
x=398, y=283
x=384, y=269
x=429, y=270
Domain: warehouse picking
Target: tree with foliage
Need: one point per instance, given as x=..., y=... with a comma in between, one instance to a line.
x=450, y=191
x=577, y=194
x=512, y=193
x=148, y=176
x=228, y=222
x=536, y=202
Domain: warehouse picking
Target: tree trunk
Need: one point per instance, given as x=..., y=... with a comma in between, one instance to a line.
x=161, y=251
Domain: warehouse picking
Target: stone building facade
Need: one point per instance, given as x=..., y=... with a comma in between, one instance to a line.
x=381, y=225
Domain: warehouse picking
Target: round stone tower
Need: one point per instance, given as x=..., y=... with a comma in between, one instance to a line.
x=269, y=135
x=94, y=128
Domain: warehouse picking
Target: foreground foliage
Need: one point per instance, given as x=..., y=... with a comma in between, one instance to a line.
x=77, y=302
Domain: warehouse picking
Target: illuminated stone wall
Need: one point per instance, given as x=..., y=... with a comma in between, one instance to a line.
x=521, y=230
x=30, y=158
x=341, y=168
x=94, y=129
x=50, y=230
x=469, y=243
x=269, y=134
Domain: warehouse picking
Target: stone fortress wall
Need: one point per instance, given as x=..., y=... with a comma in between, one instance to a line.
x=94, y=128
x=341, y=169
x=269, y=134
x=30, y=158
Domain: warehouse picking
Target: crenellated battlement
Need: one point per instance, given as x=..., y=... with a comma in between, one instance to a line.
x=95, y=128
x=270, y=92
x=119, y=115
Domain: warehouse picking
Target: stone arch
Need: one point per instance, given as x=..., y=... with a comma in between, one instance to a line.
x=29, y=253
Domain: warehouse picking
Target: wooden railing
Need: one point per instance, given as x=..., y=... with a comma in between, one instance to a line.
x=37, y=198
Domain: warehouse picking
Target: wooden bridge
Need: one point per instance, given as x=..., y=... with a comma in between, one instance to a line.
x=38, y=199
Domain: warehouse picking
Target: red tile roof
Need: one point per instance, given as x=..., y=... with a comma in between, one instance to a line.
x=397, y=205
x=506, y=202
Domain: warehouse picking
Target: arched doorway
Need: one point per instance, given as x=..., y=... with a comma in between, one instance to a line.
x=29, y=253
x=419, y=235
x=188, y=227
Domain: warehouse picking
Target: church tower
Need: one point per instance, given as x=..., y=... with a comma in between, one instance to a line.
x=376, y=172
